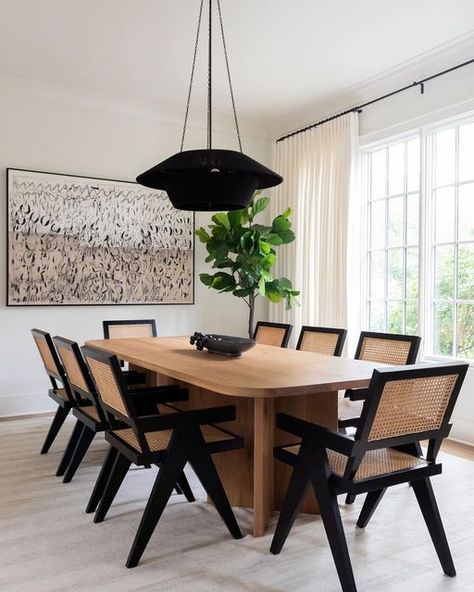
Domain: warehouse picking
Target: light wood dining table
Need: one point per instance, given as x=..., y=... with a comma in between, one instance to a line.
x=260, y=383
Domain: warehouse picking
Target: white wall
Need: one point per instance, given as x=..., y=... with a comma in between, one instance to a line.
x=57, y=134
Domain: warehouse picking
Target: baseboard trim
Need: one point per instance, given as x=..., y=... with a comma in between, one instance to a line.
x=27, y=415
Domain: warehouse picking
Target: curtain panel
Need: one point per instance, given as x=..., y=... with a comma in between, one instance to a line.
x=319, y=170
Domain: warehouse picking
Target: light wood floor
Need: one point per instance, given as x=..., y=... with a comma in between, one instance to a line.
x=48, y=543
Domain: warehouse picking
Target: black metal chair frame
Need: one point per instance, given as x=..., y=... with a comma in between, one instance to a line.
x=186, y=445
x=311, y=468
x=288, y=329
x=64, y=404
x=342, y=333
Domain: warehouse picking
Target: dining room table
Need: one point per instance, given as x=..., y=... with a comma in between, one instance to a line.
x=260, y=383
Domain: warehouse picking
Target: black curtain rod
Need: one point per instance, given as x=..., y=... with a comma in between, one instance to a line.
x=358, y=108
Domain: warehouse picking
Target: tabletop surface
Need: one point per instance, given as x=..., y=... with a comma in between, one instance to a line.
x=264, y=371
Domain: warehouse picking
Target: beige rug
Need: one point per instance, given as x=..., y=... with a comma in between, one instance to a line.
x=49, y=544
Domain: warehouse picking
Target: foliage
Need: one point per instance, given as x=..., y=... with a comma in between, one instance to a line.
x=247, y=252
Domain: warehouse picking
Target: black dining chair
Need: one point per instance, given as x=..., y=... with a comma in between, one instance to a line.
x=322, y=340
x=277, y=334
x=403, y=406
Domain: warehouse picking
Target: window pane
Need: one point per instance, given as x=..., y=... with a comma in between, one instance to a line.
x=395, y=222
x=444, y=215
x=413, y=214
x=466, y=152
x=377, y=274
x=466, y=271
x=396, y=169
x=395, y=317
x=411, y=317
x=378, y=173
x=395, y=273
x=444, y=273
x=412, y=273
x=445, y=157
x=413, y=165
x=377, y=322
x=378, y=224
x=465, y=331
x=443, y=329
x=466, y=211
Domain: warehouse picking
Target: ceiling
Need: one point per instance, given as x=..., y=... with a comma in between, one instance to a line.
x=285, y=55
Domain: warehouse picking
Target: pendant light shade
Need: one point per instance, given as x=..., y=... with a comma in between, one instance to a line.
x=209, y=179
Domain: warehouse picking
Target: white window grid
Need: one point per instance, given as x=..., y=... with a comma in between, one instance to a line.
x=426, y=243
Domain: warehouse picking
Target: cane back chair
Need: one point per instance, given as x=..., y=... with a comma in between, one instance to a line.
x=404, y=406
x=322, y=340
x=277, y=334
x=168, y=440
x=62, y=395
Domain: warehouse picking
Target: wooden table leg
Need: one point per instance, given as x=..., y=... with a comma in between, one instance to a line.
x=263, y=486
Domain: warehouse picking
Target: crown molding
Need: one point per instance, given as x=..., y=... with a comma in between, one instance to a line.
x=439, y=58
x=31, y=89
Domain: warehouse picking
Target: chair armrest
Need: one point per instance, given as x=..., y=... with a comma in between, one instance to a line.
x=358, y=394
x=311, y=431
x=147, y=400
x=170, y=421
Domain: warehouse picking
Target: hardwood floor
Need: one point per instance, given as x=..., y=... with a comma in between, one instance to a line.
x=48, y=543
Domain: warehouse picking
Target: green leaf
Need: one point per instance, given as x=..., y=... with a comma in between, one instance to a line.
x=202, y=234
x=274, y=239
x=235, y=217
x=242, y=292
x=269, y=260
x=206, y=279
x=280, y=223
x=259, y=205
x=287, y=213
x=223, y=281
x=265, y=247
x=261, y=286
x=273, y=295
x=287, y=236
x=221, y=219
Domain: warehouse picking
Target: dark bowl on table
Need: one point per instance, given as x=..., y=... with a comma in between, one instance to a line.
x=225, y=345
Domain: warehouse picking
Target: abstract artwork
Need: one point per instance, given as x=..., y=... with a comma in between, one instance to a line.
x=76, y=240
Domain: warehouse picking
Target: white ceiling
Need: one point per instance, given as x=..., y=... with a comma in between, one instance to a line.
x=285, y=55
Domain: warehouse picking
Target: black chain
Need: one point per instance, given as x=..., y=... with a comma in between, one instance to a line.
x=192, y=75
x=228, y=74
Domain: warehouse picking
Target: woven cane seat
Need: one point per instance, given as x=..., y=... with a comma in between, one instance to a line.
x=91, y=411
x=375, y=463
x=159, y=440
x=348, y=409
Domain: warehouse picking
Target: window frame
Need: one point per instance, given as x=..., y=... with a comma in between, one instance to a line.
x=426, y=229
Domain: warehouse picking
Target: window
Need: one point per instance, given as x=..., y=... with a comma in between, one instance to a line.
x=420, y=244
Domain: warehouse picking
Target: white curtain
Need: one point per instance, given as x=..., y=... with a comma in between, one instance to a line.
x=319, y=168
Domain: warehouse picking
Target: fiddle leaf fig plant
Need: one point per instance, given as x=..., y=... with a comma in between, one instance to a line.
x=244, y=254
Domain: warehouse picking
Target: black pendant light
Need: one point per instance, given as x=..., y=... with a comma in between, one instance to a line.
x=210, y=179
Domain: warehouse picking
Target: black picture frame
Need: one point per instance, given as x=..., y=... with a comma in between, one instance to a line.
x=9, y=303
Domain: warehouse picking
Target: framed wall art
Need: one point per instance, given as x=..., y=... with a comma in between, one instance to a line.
x=82, y=241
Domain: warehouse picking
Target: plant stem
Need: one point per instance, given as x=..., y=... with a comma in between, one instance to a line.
x=251, y=304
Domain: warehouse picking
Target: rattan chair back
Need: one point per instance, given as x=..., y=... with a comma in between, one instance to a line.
x=129, y=328
x=408, y=405
x=322, y=340
x=52, y=364
x=276, y=334
x=388, y=348
x=109, y=383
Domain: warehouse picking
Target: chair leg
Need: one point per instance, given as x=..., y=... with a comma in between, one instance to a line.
x=60, y=416
x=350, y=498
x=71, y=446
x=86, y=437
x=331, y=516
x=102, y=480
x=429, y=508
x=165, y=482
x=370, y=505
x=117, y=475
x=184, y=487
x=297, y=489
x=207, y=474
